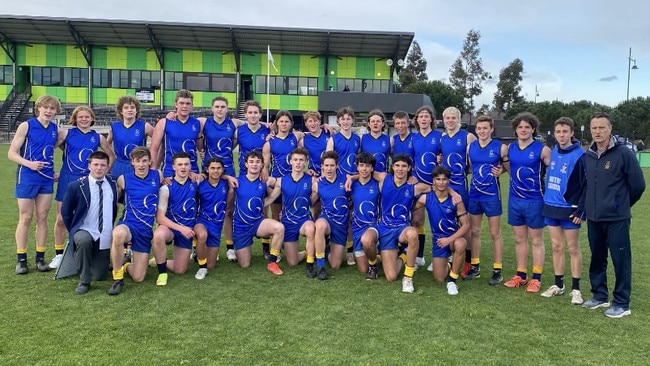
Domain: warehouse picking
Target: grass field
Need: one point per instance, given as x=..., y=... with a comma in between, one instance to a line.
x=244, y=317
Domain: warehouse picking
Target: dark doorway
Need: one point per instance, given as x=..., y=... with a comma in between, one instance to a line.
x=247, y=87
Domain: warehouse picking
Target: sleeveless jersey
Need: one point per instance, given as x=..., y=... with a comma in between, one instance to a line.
x=334, y=199
x=77, y=149
x=379, y=148
x=442, y=216
x=454, y=157
x=249, y=201
x=296, y=199
x=181, y=205
x=141, y=198
x=38, y=146
x=484, y=186
x=316, y=147
x=250, y=141
x=347, y=149
x=396, y=203
x=404, y=146
x=426, y=150
x=125, y=139
x=365, y=199
x=280, y=150
x=526, y=171
x=559, y=171
x=181, y=136
x=212, y=201
x=219, y=140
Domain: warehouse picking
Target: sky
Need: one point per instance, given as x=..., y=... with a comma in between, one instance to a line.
x=571, y=50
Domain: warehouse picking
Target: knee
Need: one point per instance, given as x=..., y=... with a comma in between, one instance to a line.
x=390, y=277
x=137, y=277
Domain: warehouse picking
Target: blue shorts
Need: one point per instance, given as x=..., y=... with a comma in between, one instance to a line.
x=338, y=232
x=214, y=232
x=120, y=168
x=564, y=224
x=180, y=240
x=30, y=191
x=389, y=236
x=358, y=233
x=62, y=185
x=243, y=234
x=140, y=236
x=489, y=208
x=292, y=230
x=525, y=212
x=438, y=252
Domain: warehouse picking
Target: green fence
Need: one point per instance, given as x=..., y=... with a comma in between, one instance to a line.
x=644, y=159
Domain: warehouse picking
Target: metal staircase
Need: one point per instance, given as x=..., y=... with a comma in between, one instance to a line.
x=12, y=108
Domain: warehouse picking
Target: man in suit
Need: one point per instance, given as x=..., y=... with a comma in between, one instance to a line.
x=89, y=208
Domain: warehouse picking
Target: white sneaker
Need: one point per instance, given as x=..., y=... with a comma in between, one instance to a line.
x=452, y=288
x=200, y=274
x=407, y=285
x=553, y=291
x=350, y=259
x=430, y=268
x=576, y=297
x=56, y=261
x=419, y=262
x=231, y=255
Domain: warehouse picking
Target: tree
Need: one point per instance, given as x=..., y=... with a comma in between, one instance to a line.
x=466, y=73
x=442, y=95
x=508, y=87
x=415, y=69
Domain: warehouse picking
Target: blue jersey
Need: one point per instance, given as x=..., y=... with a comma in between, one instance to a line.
x=454, y=157
x=365, y=199
x=280, y=150
x=141, y=199
x=212, y=201
x=484, y=186
x=403, y=146
x=442, y=216
x=334, y=200
x=426, y=150
x=219, y=141
x=125, y=139
x=316, y=145
x=181, y=136
x=560, y=169
x=396, y=203
x=249, y=201
x=379, y=148
x=526, y=171
x=78, y=147
x=181, y=204
x=38, y=146
x=296, y=199
x=346, y=149
x=250, y=141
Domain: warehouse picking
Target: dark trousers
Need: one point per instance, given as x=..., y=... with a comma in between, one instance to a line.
x=615, y=237
x=92, y=263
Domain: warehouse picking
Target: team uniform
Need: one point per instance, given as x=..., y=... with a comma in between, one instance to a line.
x=219, y=141
x=296, y=203
x=125, y=139
x=78, y=147
x=316, y=146
x=212, y=209
x=525, y=203
x=426, y=150
x=249, y=210
x=281, y=148
x=181, y=209
x=365, y=199
x=250, y=141
x=442, y=219
x=346, y=149
x=404, y=146
x=181, y=136
x=396, y=207
x=38, y=146
x=141, y=203
x=565, y=187
x=335, y=207
x=454, y=153
x=484, y=189
x=379, y=148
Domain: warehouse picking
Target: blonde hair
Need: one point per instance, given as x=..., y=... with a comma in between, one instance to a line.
x=47, y=101
x=75, y=113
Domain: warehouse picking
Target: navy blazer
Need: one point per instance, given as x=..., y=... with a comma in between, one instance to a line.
x=76, y=203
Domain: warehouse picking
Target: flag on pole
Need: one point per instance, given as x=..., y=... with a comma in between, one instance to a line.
x=270, y=57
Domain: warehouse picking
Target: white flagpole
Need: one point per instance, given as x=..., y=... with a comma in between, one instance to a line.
x=268, y=80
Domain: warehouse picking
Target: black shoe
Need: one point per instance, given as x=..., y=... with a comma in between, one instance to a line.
x=116, y=288
x=372, y=273
x=21, y=267
x=82, y=288
x=474, y=272
x=496, y=278
x=322, y=275
x=42, y=266
x=311, y=273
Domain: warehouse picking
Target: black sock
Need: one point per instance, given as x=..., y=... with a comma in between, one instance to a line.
x=559, y=281
x=575, y=283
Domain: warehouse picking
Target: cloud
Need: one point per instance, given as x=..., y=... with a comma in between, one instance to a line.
x=608, y=78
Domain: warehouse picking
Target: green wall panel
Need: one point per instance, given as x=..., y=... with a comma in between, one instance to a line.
x=100, y=58
x=212, y=62
x=116, y=58
x=173, y=60
x=4, y=91
x=136, y=58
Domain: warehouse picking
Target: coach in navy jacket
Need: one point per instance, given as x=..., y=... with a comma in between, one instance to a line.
x=91, y=235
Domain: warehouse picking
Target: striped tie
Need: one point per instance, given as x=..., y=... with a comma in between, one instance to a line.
x=101, y=205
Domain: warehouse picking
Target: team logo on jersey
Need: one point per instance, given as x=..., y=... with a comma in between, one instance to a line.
x=608, y=165
x=259, y=186
x=383, y=144
x=531, y=156
x=137, y=132
x=193, y=128
x=153, y=182
x=407, y=194
x=371, y=190
x=492, y=154
x=53, y=134
x=564, y=168
x=552, y=166
x=228, y=128
x=448, y=209
x=304, y=186
x=341, y=186
x=458, y=142
x=92, y=139
x=292, y=143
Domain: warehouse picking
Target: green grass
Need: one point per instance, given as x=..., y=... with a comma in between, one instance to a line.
x=244, y=317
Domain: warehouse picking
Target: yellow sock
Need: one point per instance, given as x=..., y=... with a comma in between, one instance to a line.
x=266, y=241
x=21, y=251
x=372, y=263
x=320, y=255
x=409, y=271
x=40, y=249
x=118, y=274
x=497, y=266
x=275, y=252
x=348, y=244
x=420, y=230
x=229, y=242
x=193, y=243
x=202, y=261
x=537, y=269
x=453, y=275
x=476, y=261
x=125, y=267
x=310, y=259
x=59, y=246
x=403, y=258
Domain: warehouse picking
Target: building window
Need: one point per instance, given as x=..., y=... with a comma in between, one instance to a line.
x=6, y=74
x=291, y=85
x=364, y=85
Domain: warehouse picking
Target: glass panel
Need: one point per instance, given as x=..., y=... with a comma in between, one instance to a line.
x=199, y=82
